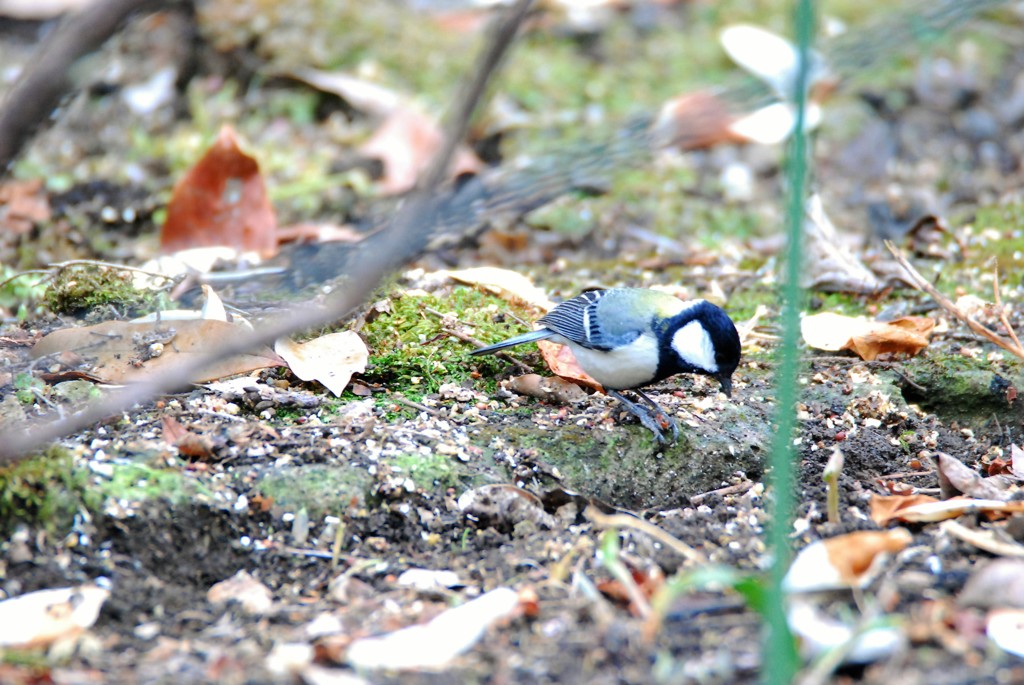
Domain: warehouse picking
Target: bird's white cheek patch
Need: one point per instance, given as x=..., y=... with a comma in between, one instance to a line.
x=693, y=344
x=623, y=368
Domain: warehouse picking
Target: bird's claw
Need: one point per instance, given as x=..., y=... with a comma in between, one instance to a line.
x=657, y=422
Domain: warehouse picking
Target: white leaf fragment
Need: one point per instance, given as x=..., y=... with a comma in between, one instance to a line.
x=434, y=644
x=43, y=617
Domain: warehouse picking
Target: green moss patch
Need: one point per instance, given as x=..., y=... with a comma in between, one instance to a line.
x=46, y=490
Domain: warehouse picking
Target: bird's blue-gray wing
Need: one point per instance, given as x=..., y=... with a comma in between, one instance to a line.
x=577, y=320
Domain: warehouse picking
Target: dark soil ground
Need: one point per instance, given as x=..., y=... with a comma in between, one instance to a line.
x=326, y=503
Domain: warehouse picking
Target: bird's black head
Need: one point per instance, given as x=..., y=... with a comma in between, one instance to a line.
x=701, y=339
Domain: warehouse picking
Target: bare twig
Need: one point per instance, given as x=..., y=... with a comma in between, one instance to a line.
x=47, y=79
x=406, y=241
x=398, y=399
x=638, y=524
x=1005, y=320
x=738, y=488
x=1012, y=346
x=459, y=335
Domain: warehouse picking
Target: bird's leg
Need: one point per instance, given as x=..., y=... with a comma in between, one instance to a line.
x=660, y=412
x=641, y=413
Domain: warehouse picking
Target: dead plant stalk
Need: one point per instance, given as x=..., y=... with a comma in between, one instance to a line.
x=1011, y=345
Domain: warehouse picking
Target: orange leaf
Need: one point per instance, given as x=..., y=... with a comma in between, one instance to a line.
x=886, y=508
x=694, y=121
x=222, y=200
x=867, y=339
x=22, y=205
x=561, y=361
x=845, y=561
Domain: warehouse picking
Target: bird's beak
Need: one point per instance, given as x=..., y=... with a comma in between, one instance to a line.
x=726, y=382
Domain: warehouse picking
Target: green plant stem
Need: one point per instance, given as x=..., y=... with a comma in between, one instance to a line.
x=780, y=658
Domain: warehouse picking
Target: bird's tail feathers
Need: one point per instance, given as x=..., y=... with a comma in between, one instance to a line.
x=512, y=342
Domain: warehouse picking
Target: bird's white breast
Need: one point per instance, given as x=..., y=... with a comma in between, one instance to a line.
x=625, y=367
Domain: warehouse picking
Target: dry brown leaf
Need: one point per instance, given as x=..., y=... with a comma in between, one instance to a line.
x=330, y=359
x=868, y=339
x=38, y=619
x=190, y=445
x=829, y=262
x=507, y=284
x=547, y=388
x=886, y=508
x=955, y=477
x=930, y=512
x=120, y=351
x=405, y=144
x=222, y=200
x=253, y=596
x=23, y=204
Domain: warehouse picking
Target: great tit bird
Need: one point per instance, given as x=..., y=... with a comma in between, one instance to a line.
x=626, y=338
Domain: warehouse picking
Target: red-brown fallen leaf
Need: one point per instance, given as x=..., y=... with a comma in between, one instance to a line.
x=648, y=583
x=222, y=200
x=561, y=361
x=22, y=205
x=121, y=351
x=405, y=143
x=190, y=445
x=694, y=121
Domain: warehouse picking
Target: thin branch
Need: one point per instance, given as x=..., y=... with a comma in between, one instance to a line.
x=47, y=78
x=648, y=528
x=406, y=240
x=1012, y=346
x=999, y=307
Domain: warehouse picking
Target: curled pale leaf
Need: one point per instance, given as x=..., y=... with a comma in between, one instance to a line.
x=867, y=339
x=434, y=644
x=405, y=143
x=330, y=359
x=510, y=285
